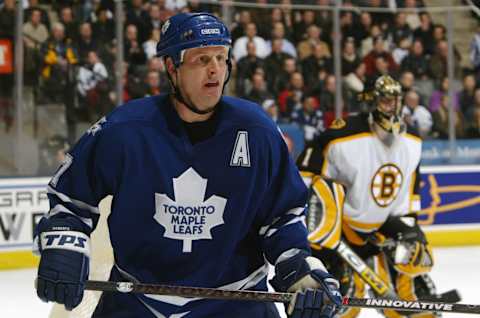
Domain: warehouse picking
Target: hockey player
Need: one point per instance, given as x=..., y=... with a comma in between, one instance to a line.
x=364, y=176
x=204, y=194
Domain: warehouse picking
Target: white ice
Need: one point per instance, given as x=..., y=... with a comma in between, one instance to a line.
x=457, y=268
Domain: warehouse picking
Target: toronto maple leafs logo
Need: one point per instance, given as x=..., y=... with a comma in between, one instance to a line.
x=188, y=217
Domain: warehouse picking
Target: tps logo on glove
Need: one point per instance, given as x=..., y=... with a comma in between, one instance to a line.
x=74, y=241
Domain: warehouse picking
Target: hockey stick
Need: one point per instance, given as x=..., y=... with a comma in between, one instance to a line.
x=212, y=293
x=376, y=282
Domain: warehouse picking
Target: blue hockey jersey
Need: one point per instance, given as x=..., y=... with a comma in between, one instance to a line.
x=209, y=214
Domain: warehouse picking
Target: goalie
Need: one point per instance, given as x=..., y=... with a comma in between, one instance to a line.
x=374, y=160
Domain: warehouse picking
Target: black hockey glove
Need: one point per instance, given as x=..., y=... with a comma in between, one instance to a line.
x=317, y=293
x=64, y=246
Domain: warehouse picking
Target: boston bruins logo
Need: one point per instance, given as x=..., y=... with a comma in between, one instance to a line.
x=386, y=184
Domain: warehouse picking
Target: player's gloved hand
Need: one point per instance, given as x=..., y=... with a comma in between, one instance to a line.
x=317, y=293
x=64, y=246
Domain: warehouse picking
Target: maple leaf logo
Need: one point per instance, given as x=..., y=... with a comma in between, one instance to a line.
x=188, y=217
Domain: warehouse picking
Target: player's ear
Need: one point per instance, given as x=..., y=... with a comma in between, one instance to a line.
x=170, y=66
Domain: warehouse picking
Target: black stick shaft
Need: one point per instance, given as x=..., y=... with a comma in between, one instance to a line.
x=213, y=293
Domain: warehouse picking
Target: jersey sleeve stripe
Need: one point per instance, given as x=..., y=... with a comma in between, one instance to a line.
x=80, y=204
x=62, y=209
x=329, y=219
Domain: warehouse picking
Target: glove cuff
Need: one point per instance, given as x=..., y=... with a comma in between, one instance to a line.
x=65, y=240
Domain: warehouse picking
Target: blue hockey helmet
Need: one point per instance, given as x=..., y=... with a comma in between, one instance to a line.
x=190, y=30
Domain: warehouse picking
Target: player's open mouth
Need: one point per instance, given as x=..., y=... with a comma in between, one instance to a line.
x=212, y=84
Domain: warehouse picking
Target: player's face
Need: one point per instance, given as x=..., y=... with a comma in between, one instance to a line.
x=202, y=74
x=388, y=105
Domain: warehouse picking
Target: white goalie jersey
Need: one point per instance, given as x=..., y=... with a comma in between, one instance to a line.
x=381, y=180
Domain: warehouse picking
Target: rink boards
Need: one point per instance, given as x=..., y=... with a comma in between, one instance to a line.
x=450, y=211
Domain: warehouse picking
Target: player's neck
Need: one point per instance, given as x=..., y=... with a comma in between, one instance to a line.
x=187, y=115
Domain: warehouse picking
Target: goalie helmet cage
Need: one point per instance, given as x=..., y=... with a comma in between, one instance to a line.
x=100, y=265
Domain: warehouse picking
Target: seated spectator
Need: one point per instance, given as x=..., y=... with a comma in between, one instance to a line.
x=309, y=117
x=350, y=59
x=34, y=5
x=103, y=25
x=278, y=33
x=367, y=43
x=133, y=52
x=271, y=108
x=400, y=30
x=305, y=47
x=439, y=60
x=402, y=50
x=416, y=61
x=152, y=84
x=318, y=61
x=240, y=45
x=278, y=81
x=259, y=92
x=34, y=31
x=355, y=83
x=467, y=95
x=441, y=120
x=93, y=88
x=379, y=51
x=436, y=98
x=58, y=57
x=238, y=28
x=246, y=67
x=472, y=117
x=475, y=53
x=417, y=115
x=291, y=97
x=86, y=42
x=70, y=23
x=411, y=15
x=150, y=46
x=425, y=33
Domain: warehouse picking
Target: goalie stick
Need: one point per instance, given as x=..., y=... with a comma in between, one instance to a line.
x=248, y=295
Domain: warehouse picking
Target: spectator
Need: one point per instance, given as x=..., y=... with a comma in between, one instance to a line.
x=319, y=60
x=350, y=59
x=69, y=23
x=133, y=52
x=362, y=30
x=467, y=94
x=305, y=47
x=300, y=27
x=240, y=46
x=355, y=83
x=34, y=5
x=400, y=30
x=367, y=44
x=152, y=84
x=278, y=33
x=425, y=33
x=246, y=67
x=291, y=97
x=238, y=30
x=271, y=108
x=7, y=19
x=441, y=120
x=475, y=53
x=278, y=75
x=417, y=115
x=154, y=21
x=309, y=118
x=35, y=33
x=472, y=117
x=402, y=50
x=411, y=15
x=138, y=16
x=92, y=87
x=103, y=26
x=86, y=42
x=416, y=61
x=379, y=51
x=437, y=95
x=150, y=46
x=259, y=92
x=438, y=62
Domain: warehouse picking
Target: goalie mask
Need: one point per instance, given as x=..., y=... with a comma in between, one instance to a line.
x=388, y=104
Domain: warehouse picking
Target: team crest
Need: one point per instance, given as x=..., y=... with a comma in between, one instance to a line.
x=189, y=217
x=386, y=184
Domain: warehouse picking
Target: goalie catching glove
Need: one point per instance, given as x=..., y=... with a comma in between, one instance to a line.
x=316, y=291
x=64, y=246
x=410, y=252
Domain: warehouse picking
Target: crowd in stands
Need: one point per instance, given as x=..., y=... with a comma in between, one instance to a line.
x=283, y=59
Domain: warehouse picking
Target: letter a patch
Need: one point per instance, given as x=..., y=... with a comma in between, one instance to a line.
x=241, y=153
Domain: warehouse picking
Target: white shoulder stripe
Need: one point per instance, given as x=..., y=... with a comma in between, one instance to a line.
x=80, y=204
x=60, y=208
